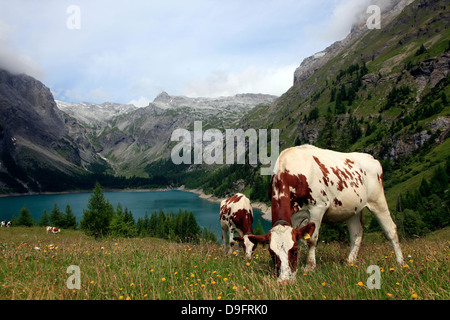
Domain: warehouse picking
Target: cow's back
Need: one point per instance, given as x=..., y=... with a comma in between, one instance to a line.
x=343, y=181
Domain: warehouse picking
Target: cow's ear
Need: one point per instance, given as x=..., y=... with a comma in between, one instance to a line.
x=264, y=239
x=306, y=231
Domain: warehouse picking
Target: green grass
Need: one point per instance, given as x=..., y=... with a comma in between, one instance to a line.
x=121, y=269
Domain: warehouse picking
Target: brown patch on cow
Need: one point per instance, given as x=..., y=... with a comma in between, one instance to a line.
x=348, y=173
x=349, y=163
x=324, y=170
x=337, y=202
x=323, y=193
x=243, y=220
x=289, y=201
x=234, y=199
x=359, y=177
x=380, y=178
x=224, y=211
x=341, y=184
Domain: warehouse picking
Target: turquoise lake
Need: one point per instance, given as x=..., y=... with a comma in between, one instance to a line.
x=206, y=212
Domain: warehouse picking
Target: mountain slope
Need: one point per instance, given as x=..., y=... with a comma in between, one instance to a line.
x=35, y=146
x=380, y=79
x=383, y=91
x=130, y=141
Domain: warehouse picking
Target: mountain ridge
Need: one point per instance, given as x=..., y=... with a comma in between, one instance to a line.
x=383, y=92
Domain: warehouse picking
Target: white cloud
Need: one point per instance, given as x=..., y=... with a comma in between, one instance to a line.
x=141, y=102
x=131, y=51
x=253, y=79
x=14, y=61
x=339, y=24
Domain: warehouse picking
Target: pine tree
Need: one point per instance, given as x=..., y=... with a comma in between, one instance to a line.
x=97, y=218
x=45, y=220
x=25, y=218
x=259, y=230
x=327, y=136
x=193, y=229
x=70, y=221
x=56, y=217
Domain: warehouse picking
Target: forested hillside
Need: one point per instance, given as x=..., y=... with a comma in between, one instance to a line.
x=386, y=93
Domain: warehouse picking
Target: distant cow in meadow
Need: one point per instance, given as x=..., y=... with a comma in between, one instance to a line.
x=236, y=219
x=7, y=224
x=310, y=185
x=53, y=230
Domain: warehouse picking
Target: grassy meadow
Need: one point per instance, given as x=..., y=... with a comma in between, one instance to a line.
x=33, y=265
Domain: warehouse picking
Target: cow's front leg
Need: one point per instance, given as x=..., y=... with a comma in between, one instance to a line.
x=233, y=244
x=316, y=215
x=311, y=259
x=225, y=240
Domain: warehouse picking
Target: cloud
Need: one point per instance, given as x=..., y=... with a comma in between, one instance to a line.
x=131, y=51
x=253, y=79
x=14, y=61
x=141, y=102
x=344, y=15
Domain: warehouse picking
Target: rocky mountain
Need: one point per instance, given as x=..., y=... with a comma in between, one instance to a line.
x=311, y=65
x=43, y=140
x=236, y=103
x=382, y=91
x=35, y=145
x=93, y=114
x=131, y=141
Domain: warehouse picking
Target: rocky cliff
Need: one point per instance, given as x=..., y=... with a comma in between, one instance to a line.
x=35, y=145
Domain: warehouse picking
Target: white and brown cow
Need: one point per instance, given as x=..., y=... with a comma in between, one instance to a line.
x=236, y=219
x=53, y=230
x=310, y=185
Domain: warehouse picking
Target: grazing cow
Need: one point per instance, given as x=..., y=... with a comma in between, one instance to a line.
x=53, y=230
x=310, y=185
x=7, y=224
x=236, y=218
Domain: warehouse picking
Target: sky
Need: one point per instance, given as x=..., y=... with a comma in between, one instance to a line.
x=130, y=51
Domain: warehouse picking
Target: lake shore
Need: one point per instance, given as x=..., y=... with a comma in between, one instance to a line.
x=264, y=208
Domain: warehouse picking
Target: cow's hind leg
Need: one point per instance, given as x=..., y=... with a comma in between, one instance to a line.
x=355, y=229
x=381, y=211
x=316, y=215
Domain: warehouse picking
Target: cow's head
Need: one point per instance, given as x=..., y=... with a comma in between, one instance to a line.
x=249, y=245
x=283, y=247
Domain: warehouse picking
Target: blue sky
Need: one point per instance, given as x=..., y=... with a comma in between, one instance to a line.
x=130, y=51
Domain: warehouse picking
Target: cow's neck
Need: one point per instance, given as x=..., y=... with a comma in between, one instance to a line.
x=247, y=227
x=281, y=212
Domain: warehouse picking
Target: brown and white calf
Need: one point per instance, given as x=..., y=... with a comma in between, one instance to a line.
x=236, y=219
x=310, y=185
x=53, y=230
